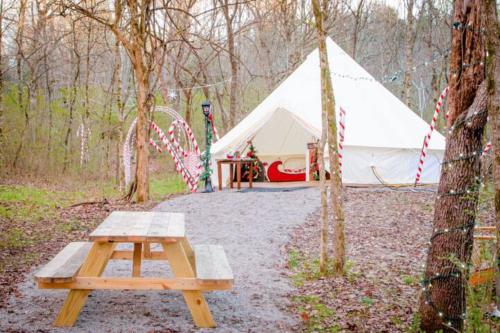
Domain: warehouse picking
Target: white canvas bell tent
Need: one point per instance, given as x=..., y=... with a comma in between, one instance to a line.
x=383, y=137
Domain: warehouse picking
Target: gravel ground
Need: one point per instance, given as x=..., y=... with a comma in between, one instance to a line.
x=253, y=227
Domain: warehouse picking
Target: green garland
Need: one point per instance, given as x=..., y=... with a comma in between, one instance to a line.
x=206, y=157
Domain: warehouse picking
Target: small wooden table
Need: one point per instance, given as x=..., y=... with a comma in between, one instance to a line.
x=79, y=265
x=238, y=163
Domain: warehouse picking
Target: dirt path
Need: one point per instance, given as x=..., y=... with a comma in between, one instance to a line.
x=253, y=227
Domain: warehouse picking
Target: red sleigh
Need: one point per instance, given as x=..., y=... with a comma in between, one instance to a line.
x=276, y=175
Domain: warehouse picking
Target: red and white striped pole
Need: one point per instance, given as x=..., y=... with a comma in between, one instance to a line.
x=190, y=180
x=427, y=138
x=155, y=145
x=341, y=136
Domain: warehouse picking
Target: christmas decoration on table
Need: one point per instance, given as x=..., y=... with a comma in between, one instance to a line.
x=257, y=166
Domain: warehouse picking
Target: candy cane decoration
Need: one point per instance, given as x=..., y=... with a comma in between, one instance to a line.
x=487, y=148
x=190, y=179
x=189, y=133
x=187, y=162
x=427, y=138
x=155, y=145
x=341, y=136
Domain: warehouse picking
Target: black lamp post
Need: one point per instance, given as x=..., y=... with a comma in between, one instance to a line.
x=207, y=112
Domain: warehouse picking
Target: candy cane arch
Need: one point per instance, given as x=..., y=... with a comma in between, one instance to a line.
x=190, y=173
x=187, y=162
x=341, y=136
x=427, y=138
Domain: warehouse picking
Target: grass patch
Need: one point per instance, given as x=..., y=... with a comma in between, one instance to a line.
x=367, y=301
x=14, y=238
x=162, y=186
x=408, y=280
x=316, y=315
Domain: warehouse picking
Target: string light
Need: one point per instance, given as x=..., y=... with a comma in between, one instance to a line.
x=466, y=65
x=426, y=288
x=463, y=157
x=394, y=76
x=461, y=27
x=453, y=273
x=468, y=190
x=172, y=94
x=202, y=85
x=463, y=228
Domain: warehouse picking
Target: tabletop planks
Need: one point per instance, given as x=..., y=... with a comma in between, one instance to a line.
x=121, y=226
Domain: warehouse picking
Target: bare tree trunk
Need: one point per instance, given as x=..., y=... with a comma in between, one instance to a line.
x=187, y=105
x=75, y=62
x=442, y=304
x=41, y=30
x=2, y=154
x=493, y=89
x=142, y=133
x=19, y=70
x=120, y=176
x=409, y=42
x=357, y=14
x=323, y=263
x=329, y=130
x=233, y=93
x=84, y=158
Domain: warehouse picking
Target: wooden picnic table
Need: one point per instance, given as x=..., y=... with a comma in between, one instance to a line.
x=238, y=162
x=79, y=266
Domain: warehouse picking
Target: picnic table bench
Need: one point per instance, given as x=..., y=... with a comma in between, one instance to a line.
x=79, y=266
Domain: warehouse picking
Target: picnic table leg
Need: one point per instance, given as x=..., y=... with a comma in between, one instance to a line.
x=147, y=250
x=238, y=174
x=219, y=174
x=136, y=260
x=189, y=252
x=93, y=266
x=180, y=264
x=231, y=175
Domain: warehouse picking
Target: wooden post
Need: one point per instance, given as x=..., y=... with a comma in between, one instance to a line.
x=231, y=175
x=136, y=261
x=147, y=250
x=238, y=174
x=219, y=174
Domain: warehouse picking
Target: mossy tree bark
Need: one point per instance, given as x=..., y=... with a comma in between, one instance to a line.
x=442, y=304
x=329, y=132
x=493, y=89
